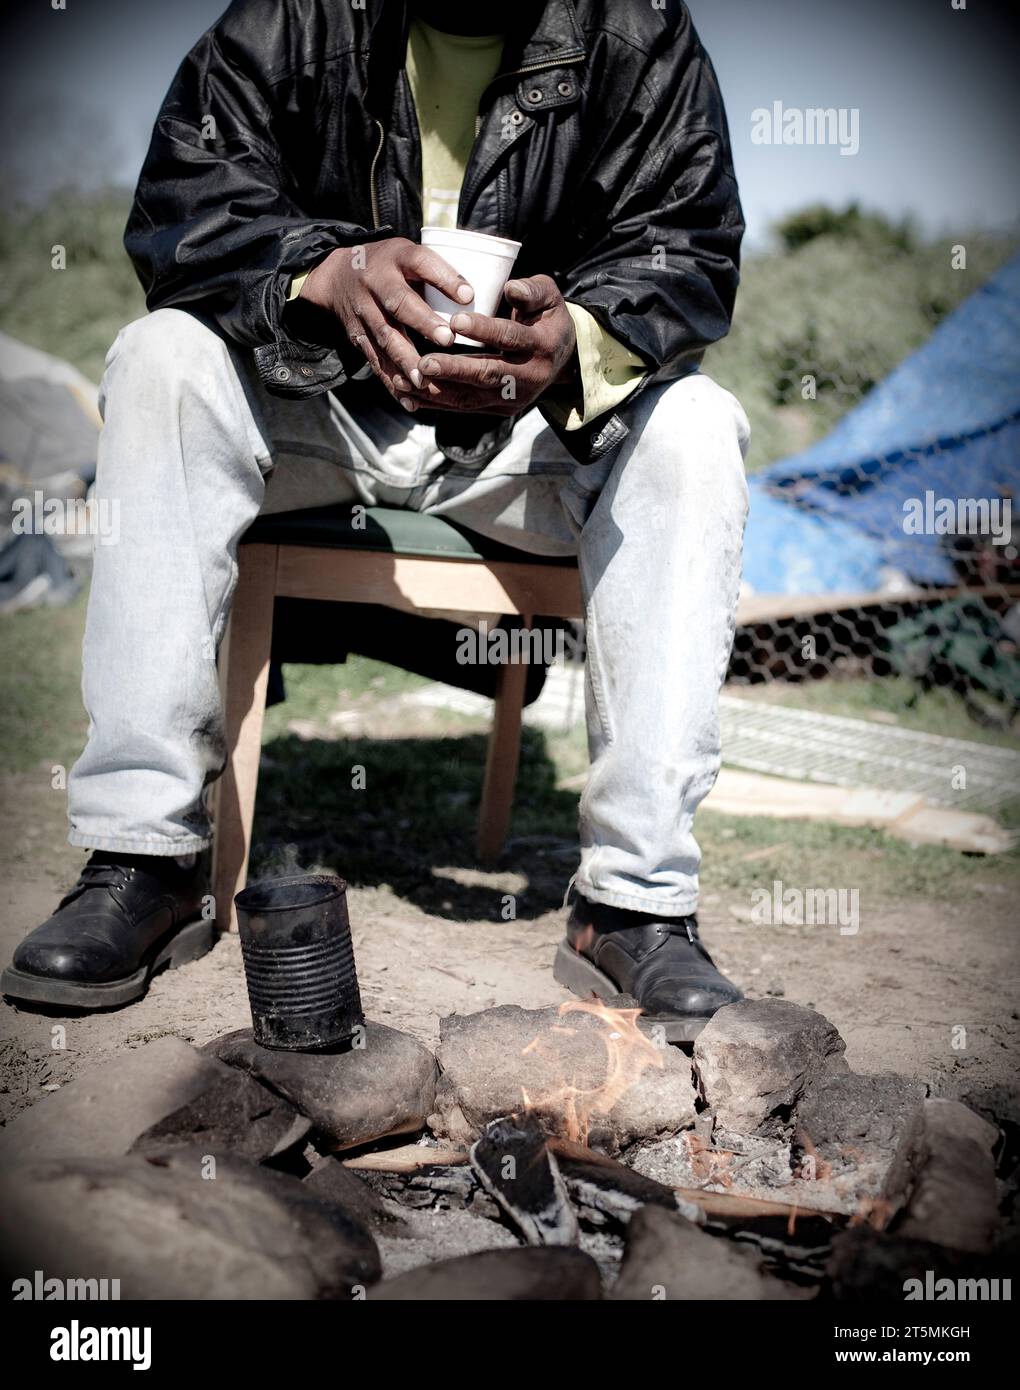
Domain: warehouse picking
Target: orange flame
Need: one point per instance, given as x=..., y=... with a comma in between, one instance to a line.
x=628, y=1053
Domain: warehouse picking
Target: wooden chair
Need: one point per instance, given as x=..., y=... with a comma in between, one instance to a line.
x=381, y=556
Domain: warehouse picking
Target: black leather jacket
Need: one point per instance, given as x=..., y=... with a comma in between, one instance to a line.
x=602, y=145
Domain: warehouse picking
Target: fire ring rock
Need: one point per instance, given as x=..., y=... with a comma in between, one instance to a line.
x=174, y=1227
x=386, y=1087
x=163, y=1093
x=756, y=1058
x=539, y=1272
x=587, y=1074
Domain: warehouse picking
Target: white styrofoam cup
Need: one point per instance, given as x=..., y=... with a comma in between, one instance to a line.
x=485, y=263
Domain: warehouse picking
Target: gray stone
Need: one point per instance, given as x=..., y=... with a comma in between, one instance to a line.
x=539, y=1272
x=668, y=1258
x=332, y=1183
x=857, y=1120
x=557, y=1060
x=948, y=1176
x=868, y=1266
x=166, y=1091
x=756, y=1058
x=385, y=1087
x=168, y=1230
x=851, y=1133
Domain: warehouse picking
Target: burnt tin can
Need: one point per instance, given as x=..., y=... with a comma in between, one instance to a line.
x=299, y=962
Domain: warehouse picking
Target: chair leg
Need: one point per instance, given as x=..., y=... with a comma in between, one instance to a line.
x=244, y=676
x=501, y=762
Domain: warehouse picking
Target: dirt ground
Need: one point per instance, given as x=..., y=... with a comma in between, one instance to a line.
x=916, y=971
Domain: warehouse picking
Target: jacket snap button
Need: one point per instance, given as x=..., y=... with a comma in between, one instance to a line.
x=535, y=94
x=598, y=440
x=516, y=117
x=307, y=371
x=282, y=374
x=565, y=89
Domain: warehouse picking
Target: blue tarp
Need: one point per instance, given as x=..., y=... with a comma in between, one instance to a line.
x=946, y=421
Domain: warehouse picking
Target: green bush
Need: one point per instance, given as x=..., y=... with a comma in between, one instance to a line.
x=74, y=313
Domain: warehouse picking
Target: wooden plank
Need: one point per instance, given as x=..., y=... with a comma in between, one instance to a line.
x=763, y=608
x=412, y=583
x=905, y=815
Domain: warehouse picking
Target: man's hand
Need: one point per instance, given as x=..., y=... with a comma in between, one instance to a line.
x=535, y=349
x=370, y=291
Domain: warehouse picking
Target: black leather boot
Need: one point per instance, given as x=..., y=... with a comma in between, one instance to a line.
x=126, y=918
x=659, y=961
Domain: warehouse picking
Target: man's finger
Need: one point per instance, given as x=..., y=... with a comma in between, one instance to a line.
x=533, y=295
x=392, y=343
x=488, y=372
x=505, y=334
x=403, y=305
x=373, y=335
x=423, y=264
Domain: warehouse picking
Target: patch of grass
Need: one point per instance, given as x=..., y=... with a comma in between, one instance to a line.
x=814, y=854
x=316, y=692
x=419, y=804
x=40, y=687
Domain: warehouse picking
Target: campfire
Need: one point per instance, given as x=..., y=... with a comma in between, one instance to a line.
x=628, y=1053
x=565, y=1152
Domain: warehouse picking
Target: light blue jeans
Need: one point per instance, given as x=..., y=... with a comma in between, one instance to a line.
x=193, y=449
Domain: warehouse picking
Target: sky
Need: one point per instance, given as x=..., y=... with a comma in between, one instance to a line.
x=932, y=86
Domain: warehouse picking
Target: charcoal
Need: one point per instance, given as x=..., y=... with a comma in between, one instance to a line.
x=514, y=1164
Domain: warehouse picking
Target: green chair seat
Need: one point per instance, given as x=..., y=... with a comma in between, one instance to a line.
x=388, y=529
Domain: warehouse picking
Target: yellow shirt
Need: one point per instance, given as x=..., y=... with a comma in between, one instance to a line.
x=448, y=74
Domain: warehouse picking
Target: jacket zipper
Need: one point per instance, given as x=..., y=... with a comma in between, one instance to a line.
x=517, y=72
x=371, y=177
x=539, y=67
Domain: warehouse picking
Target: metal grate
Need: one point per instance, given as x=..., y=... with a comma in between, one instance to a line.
x=844, y=752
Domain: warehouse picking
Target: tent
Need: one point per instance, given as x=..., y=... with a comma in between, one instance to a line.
x=49, y=417
x=946, y=422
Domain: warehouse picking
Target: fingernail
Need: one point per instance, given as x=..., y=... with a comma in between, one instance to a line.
x=443, y=336
x=416, y=378
x=407, y=403
x=429, y=364
x=401, y=383
x=465, y=294
x=519, y=287
x=460, y=322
